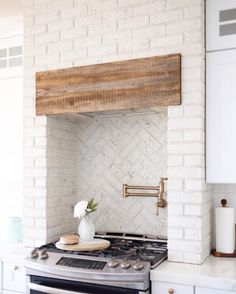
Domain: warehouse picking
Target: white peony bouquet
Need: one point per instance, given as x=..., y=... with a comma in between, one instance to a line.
x=84, y=207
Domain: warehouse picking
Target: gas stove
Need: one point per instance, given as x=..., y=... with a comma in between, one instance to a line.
x=129, y=246
x=122, y=268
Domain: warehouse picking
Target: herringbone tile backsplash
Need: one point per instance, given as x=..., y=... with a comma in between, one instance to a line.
x=116, y=150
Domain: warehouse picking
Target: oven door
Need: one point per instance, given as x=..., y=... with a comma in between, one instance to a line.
x=38, y=285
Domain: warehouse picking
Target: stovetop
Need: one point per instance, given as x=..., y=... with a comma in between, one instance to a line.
x=125, y=264
x=129, y=246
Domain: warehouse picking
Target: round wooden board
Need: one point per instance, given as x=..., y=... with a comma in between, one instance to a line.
x=95, y=244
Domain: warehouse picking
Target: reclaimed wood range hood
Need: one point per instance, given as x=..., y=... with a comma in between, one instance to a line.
x=123, y=85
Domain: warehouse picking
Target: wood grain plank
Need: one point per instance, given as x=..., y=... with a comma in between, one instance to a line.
x=131, y=84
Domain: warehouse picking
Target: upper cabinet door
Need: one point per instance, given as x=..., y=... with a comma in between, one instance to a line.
x=221, y=117
x=220, y=24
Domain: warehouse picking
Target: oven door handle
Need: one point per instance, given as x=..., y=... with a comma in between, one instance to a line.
x=51, y=290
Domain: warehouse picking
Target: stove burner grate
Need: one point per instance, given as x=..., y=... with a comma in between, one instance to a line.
x=153, y=251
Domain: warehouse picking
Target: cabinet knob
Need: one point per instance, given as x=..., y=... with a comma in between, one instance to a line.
x=171, y=291
x=15, y=267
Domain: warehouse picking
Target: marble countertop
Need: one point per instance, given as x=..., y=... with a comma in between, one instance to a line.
x=13, y=252
x=219, y=273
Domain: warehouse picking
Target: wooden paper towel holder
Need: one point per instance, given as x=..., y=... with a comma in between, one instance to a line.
x=219, y=254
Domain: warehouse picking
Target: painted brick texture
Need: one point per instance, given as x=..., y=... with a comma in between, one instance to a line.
x=70, y=33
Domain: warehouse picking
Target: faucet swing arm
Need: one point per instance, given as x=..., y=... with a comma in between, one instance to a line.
x=158, y=192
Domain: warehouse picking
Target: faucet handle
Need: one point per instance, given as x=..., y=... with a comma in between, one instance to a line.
x=161, y=203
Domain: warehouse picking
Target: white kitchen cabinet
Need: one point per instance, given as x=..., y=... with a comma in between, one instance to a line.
x=11, y=292
x=220, y=24
x=166, y=288
x=200, y=290
x=221, y=117
x=13, y=278
x=0, y=277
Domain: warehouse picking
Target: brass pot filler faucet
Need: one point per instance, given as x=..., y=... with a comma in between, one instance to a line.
x=161, y=202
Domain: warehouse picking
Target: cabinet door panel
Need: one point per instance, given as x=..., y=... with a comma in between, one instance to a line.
x=0, y=277
x=200, y=290
x=220, y=24
x=221, y=117
x=14, y=277
x=165, y=288
x=11, y=292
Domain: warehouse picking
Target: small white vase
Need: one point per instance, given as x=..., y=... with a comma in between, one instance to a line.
x=86, y=229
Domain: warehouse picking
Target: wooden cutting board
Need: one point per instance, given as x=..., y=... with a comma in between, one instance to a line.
x=95, y=244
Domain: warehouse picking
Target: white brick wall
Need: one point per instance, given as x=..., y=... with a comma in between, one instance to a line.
x=61, y=184
x=189, y=200
x=70, y=33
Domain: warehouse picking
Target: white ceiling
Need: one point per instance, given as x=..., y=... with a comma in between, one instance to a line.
x=10, y=8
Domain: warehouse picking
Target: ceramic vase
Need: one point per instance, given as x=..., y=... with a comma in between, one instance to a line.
x=86, y=229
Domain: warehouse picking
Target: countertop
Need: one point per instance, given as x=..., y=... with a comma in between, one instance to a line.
x=13, y=252
x=215, y=272
x=219, y=273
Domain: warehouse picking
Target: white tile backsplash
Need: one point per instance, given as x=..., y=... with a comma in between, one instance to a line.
x=227, y=191
x=117, y=150
x=222, y=191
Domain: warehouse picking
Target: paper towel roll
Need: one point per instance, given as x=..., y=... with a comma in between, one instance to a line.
x=225, y=230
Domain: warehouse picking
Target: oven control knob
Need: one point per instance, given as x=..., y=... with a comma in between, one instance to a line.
x=43, y=254
x=34, y=254
x=138, y=265
x=113, y=262
x=125, y=263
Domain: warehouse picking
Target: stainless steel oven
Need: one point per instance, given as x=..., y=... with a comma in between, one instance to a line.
x=123, y=268
x=66, y=274
x=40, y=285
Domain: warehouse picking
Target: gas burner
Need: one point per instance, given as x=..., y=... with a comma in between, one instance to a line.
x=124, y=247
x=128, y=261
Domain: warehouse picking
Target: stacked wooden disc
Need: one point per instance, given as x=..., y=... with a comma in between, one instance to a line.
x=73, y=243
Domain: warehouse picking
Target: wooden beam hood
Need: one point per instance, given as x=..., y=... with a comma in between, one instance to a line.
x=131, y=84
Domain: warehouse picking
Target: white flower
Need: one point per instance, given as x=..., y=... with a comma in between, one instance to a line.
x=80, y=209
